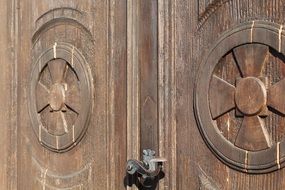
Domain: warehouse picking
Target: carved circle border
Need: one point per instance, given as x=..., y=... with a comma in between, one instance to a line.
x=268, y=160
x=70, y=54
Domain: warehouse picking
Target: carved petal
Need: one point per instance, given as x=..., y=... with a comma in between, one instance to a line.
x=251, y=58
x=70, y=117
x=42, y=96
x=221, y=97
x=57, y=70
x=252, y=135
x=72, y=99
x=276, y=98
x=70, y=77
x=57, y=123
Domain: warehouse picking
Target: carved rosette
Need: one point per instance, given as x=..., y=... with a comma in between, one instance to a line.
x=243, y=96
x=60, y=97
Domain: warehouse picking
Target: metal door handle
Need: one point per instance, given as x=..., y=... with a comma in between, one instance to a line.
x=149, y=168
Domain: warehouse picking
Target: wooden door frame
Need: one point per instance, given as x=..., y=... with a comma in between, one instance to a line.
x=166, y=87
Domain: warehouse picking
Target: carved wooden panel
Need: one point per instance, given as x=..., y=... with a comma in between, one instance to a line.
x=60, y=97
x=193, y=29
x=242, y=87
x=206, y=8
x=48, y=179
x=71, y=95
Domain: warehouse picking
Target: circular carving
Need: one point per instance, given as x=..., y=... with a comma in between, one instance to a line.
x=250, y=95
x=60, y=97
x=242, y=95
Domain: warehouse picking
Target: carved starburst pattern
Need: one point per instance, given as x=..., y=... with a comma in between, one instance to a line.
x=250, y=96
x=58, y=97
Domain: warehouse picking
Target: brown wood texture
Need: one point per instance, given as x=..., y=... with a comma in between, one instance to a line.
x=144, y=58
x=221, y=103
x=147, y=56
x=203, y=29
x=251, y=58
x=252, y=135
x=98, y=30
x=9, y=94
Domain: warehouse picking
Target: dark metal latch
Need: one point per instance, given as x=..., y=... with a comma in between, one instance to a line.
x=149, y=168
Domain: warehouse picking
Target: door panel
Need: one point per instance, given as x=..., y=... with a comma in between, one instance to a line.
x=90, y=84
x=72, y=79
x=205, y=24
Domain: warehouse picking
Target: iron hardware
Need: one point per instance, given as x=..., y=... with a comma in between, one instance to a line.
x=148, y=169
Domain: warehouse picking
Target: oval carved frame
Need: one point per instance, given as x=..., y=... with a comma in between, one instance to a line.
x=263, y=161
x=75, y=60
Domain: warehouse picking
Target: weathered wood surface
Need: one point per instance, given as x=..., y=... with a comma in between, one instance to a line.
x=98, y=30
x=203, y=29
x=8, y=96
x=147, y=52
x=144, y=58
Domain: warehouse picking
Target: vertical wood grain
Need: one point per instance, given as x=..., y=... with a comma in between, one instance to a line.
x=98, y=160
x=8, y=97
x=13, y=141
x=117, y=82
x=186, y=130
x=192, y=153
x=133, y=84
x=132, y=81
x=147, y=55
x=167, y=92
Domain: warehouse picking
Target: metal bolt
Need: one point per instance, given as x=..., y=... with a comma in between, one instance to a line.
x=130, y=167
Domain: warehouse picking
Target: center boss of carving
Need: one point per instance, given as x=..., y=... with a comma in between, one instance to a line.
x=57, y=96
x=250, y=95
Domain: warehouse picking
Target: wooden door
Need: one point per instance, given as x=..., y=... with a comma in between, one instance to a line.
x=87, y=85
x=223, y=65
x=71, y=94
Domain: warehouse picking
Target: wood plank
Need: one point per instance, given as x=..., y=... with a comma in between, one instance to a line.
x=117, y=89
x=167, y=92
x=133, y=87
x=8, y=96
x=147, y=55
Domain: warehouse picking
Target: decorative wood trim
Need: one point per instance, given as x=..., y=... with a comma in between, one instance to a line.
x=133, y=83
x=209, y=9
x=49, y=179
x=148, y=71
x=116, y=93
x=12, y=159
x=167, y=90
x=133, y=103
x=61, y=15
x=206, y=182
x=110, y=95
